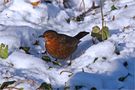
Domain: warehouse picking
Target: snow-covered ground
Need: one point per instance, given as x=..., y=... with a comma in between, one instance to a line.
x=94, y=66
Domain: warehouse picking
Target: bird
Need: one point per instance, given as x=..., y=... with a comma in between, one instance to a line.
x=61, y=46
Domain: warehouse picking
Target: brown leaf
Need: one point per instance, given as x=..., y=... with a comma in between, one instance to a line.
x=34, y=4
x=6, y=1
x=113, y=18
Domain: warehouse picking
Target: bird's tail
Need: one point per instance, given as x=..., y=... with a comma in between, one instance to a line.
x=81, y=35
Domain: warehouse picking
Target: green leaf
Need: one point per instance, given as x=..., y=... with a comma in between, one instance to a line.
x=3, y=51
x=113, y=7
x=106, y=32
x=95, y=31
x=66, y=88
x=102, y=34
x=45, y=86
x=21, y=88
x=6, y=84
x=56, y=63
x=122, y=78
x=79, y=18
x=26, y=49
x=46, y=58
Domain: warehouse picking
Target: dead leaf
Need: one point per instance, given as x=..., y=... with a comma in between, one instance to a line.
x=113, y=18
x=6, y=1
x=35, y=4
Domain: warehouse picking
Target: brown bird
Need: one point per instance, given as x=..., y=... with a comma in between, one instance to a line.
x=61, y=46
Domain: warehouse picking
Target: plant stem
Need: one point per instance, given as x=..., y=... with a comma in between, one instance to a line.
x=84, y=5
x=102, y=15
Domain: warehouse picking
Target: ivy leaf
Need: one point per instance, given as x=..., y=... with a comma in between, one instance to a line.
x=46, y=58
x=104, y=58
x=56, y=63
x=6, y=84
x=122, y=78
x=66, y=88
x=45, y=86
x=95, y=31
x=21, y=88
x=113, y=7
x=102, y=34
x=105, y=33
x=3, y=51
x=79, y=18
x=26, y=49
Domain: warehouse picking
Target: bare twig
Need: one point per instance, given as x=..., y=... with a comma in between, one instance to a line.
x=81, y=16
x=66, y=4
x=12, y=88
x=90, y=9
x=84, y=5
x=71, y=73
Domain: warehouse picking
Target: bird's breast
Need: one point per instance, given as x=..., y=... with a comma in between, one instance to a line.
x=58, y=50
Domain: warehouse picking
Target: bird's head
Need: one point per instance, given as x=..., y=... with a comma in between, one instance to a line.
x=49, y=35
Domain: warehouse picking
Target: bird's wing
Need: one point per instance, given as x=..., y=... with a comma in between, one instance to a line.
x=67, y=40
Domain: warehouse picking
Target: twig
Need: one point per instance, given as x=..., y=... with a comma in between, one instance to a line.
x=90, y=9
x=12, y=88
x=81, y=16
x=71, y=73
x=84, y=5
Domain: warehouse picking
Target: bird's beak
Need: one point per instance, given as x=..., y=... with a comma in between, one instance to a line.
x=41, y=36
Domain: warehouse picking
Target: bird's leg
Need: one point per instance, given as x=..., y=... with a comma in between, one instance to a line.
x=93, y=41
x=45, y=52
x=56, y=59
x=70, y=61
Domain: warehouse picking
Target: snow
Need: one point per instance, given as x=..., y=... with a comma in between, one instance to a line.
x=87, y=80
x=93, y=65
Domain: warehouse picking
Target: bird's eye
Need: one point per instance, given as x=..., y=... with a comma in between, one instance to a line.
x=48, y=36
